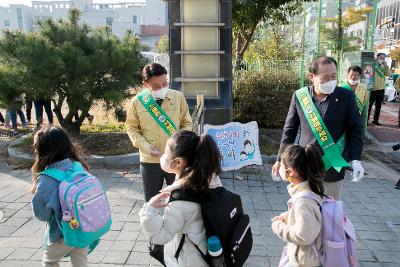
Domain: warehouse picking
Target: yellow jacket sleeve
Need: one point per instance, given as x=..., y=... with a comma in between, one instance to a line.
x=132, y=125
x=186, y=122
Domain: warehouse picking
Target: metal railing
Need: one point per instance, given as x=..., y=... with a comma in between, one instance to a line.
x=198, y=115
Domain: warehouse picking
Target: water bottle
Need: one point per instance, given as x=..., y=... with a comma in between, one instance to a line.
x=215, y=250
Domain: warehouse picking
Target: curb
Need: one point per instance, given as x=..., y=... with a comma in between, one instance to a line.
x=126, y=161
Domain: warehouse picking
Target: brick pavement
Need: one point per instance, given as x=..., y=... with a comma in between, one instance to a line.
x=372, y=205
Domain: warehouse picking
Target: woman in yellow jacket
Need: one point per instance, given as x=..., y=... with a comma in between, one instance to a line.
x=152, y=117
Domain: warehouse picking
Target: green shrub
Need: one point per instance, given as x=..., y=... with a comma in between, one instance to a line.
x=264, y=96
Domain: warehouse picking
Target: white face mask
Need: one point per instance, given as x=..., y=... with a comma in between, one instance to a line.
x=160, y=94
x=282, y=173
x=328, y=87
x=351, y=82
x=166, y=163
x=380, y=61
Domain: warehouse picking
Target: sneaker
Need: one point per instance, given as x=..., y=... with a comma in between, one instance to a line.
x=7, y=125
x=397, y=186
x=377, y=123
x=396, y=147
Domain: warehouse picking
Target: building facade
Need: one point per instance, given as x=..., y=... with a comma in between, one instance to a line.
x=148, y=17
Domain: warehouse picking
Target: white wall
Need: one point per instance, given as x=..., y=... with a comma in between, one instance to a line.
x=10, y=15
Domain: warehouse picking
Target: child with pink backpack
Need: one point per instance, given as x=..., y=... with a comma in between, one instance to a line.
x=315, y=228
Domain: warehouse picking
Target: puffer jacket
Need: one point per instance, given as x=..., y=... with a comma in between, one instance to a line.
x=180, y=217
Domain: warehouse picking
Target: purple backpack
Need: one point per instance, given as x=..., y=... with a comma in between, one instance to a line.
x=86, y=212
x=338, y=234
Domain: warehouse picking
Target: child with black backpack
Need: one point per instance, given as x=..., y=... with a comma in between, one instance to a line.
x=69, y=199
x=196, y=163
x=301, y=225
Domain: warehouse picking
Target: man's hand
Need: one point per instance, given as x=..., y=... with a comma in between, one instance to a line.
x=275, y=171
x=358, y=170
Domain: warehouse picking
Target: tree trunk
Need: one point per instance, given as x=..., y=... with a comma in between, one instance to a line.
x=73, y=129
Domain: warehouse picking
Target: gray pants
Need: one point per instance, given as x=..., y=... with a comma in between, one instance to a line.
x=55, y=252
x=153, y=179
x=334, y=189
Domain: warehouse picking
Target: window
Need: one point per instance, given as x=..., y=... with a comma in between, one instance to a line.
x=61, y=5
x=56, y=5
x=67, y=6
x=6, y=23
x=19, y=19
x=134, y=19
x=109, y=21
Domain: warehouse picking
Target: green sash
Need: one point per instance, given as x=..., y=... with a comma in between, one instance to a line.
x=157, y=112
x=332, y=151
x=359, y=103
x=379, y=70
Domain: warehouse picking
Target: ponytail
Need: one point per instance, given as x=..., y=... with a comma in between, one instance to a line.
x=308, y=163
x=315, y=169
x=202, y=158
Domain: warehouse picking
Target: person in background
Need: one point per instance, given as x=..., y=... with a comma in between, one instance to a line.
x=154, y=115
x=353, y=83
x=41, y=103
x=381, y=70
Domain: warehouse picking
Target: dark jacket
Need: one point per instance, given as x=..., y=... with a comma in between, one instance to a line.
x=341, y=117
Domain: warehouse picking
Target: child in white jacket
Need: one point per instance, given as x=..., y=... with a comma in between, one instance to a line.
x=301, y=225
x=196, y=163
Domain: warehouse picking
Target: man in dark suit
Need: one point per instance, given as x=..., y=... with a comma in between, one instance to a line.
x=338, y=110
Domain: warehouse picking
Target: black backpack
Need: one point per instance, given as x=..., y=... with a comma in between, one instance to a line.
x=223, y=216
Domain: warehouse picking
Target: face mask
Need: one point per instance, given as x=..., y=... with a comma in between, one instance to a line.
x=328, y=87
x=380, y=61
x=166, y=163
x=351, y=82
x=282, y=173
x=160, y=94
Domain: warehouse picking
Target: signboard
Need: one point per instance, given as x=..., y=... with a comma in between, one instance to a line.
x=238, y=144
x=368, y=71
x=368, y=76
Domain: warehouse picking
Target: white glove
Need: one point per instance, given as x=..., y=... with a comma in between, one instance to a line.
x=358, y=170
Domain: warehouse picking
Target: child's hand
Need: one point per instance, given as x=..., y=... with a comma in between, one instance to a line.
x=281, y=218
x=160, y=200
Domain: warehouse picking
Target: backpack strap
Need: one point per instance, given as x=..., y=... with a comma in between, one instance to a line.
x=307, y=194
x=178, y=251
x=180, y=194
x=60, y=175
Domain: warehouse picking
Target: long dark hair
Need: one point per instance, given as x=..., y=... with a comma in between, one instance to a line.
x=307, y=161
x=202, y=158
x=52, y=145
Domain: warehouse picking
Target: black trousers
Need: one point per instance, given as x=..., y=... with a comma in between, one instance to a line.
x=1, y=118
x=153, y=179
x=377, y=98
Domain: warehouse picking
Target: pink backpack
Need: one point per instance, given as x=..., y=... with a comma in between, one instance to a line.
x=339, y=237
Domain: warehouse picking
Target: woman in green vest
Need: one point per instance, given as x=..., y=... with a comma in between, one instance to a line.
x=153, y=116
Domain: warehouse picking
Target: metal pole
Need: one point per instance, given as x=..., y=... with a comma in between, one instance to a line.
x=372, y=40
x=304, y=50
x=319, y=27
x=374, y=9
x=339, y=45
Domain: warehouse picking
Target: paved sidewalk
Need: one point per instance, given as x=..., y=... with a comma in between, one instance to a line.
x=372, y=205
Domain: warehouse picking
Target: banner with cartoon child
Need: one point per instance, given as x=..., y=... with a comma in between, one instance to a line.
x=238, y=144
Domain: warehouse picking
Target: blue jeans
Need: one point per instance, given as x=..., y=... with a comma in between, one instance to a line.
x=13, y=116
x=39, y=104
